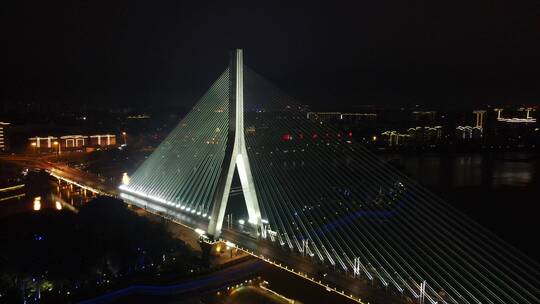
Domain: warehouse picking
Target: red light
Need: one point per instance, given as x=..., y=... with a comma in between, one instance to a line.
x=287, y=137
x=301, y=136
x=350, y=134
x=339, y=135
x=315, y=136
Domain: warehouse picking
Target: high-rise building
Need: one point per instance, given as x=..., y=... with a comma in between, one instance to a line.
x=480, y=121
x=4, y=138
x=394, y=138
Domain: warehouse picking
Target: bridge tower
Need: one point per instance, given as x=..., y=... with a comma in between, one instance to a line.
x=236, y=156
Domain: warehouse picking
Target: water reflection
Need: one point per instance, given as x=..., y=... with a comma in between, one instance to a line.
x=41, y=192
x=511, y=169
x=513, y=173
x=467, y=170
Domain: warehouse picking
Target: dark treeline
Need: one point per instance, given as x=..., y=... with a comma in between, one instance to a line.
x=52, y=256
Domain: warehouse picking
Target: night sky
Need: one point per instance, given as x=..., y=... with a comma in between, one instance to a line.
x=429, y=52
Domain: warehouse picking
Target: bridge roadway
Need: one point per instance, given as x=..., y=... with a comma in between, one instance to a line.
x=358, y=289
x=84, y=179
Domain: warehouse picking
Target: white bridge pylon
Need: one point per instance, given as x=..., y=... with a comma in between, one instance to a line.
x=236, y=156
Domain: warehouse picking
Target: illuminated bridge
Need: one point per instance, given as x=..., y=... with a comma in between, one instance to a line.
x=313, y=191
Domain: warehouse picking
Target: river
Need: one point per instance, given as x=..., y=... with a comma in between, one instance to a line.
x=500, y=190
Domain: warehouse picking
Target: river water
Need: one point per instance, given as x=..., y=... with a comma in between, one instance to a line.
x=38, y=191
x=500, y=190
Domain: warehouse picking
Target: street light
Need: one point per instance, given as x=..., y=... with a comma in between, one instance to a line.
x=34, y=145
x=124, y=134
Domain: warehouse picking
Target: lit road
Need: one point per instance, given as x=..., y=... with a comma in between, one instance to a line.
x=62, y=171
x=313, y=269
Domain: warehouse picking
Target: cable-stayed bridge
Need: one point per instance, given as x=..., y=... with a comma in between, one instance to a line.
x=311, y=189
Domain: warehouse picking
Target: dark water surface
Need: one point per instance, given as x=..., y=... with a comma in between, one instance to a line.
x=40, y=192
x=500, y=190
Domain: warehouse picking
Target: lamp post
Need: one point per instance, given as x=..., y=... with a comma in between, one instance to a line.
x=34, y=146
x=124, y=135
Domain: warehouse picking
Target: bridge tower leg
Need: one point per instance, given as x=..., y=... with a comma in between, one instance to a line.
x=235, y=155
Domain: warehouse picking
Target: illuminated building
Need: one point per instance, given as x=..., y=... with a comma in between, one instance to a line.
x=528, y=111
x=416, y=135
x=394, y=138
x=499, y=111
x=4, y=145
x=103, y=140
x=469, y=133
x=70, y=142
x=140, y=116
x=480, y=122
x=464, y=132
x=477, y=132
x=73, y=141
x=527, y=119
x=433, y=133
x=324, y=116
x=42, y=143
x=423, y=134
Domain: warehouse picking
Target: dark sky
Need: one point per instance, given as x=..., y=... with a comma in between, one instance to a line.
x=371, y=52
